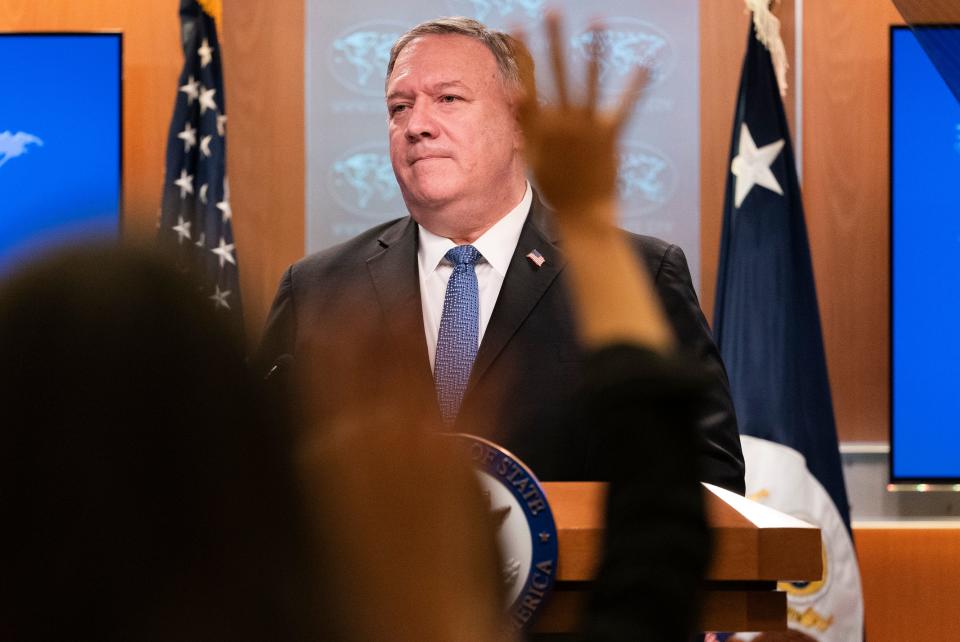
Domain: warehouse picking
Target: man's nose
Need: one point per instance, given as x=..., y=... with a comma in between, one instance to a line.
x=420, y=124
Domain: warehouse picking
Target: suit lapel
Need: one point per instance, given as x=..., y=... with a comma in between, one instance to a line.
x=393, y=270
x=522, y=288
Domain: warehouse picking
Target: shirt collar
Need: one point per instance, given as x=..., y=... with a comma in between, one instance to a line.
x=497, y=244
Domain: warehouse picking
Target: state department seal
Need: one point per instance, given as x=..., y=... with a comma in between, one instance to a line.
x=526, y=532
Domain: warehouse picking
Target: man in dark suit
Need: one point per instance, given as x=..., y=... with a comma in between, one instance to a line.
x=457, y=152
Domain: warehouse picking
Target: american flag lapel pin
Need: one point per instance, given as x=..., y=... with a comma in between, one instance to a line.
x=536, y=258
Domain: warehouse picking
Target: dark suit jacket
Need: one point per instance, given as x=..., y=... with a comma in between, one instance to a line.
x=649, y=579
x=523, y=387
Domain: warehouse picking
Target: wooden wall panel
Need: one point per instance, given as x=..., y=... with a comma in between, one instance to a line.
x=152, y=62
x=845, y=168
x=264, y=76
x=723, y=39
x=909, y=582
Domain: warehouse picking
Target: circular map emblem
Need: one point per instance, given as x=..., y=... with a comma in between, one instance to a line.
x=625, y=44
x=361, y=180
x=358, y=57
x=526, y=532
x=494, y=13
x=646, y=179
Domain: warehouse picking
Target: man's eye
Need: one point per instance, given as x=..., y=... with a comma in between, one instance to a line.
x=396, y=109
x=449, y=98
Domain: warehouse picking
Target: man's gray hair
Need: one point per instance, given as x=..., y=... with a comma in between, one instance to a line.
x=509, y=52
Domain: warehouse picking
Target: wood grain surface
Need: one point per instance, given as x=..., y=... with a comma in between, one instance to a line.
x=264, y=77
x=909, y=582
x=846, y=194
x=723, y=39
x=747, y=560
x=742, y=551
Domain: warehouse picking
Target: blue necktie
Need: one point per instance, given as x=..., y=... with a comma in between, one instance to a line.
x=459, y=331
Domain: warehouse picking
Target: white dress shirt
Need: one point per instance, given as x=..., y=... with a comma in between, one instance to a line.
x=496, y=245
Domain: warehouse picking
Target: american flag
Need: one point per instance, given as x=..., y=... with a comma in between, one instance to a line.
x=195, y=219
x=536, y=258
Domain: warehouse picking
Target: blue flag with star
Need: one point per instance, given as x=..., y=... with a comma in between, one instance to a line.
x=195, y=219
x=767, y=327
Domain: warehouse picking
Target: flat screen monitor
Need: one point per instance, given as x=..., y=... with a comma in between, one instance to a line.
x=924, y=263
x=60, y=141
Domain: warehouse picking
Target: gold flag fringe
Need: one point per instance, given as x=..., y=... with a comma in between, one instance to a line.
x=768, y=33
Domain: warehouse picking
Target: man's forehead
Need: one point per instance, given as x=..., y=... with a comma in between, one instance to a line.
x=446, y=41
x=444, y=58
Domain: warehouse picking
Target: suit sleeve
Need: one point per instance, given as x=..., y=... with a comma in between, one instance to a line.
x=280, y=333
x=648, y=580
x=721, y=456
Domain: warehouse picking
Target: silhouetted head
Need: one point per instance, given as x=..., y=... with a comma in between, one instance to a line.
x=145, y=491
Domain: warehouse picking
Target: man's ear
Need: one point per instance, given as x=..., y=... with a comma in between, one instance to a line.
x=526, y=72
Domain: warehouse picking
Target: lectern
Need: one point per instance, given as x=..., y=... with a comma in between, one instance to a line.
x=754, y=548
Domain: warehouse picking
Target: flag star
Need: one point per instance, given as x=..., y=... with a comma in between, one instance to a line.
x=182, y=228
x=225, y=252
x=202, y=240
x=206, y=53
x=185, y=183
x=191, y=89
x=203, y=193
x=219, y=298
x=224, y=206
x=221, y=124
x=752, y=166
x=205, y=145
x=188, y=136
x=206, y=99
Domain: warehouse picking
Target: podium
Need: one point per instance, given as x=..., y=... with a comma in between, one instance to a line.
x=754, y=548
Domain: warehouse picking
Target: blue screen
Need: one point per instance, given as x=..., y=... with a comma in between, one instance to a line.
x=925, y=259
x=60, y=128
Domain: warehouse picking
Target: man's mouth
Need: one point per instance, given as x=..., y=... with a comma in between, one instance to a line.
x=427, y=157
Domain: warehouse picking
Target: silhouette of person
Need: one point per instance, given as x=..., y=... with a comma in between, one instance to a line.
x=146, y=490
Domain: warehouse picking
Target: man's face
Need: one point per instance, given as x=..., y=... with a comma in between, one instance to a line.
x=454, y=139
